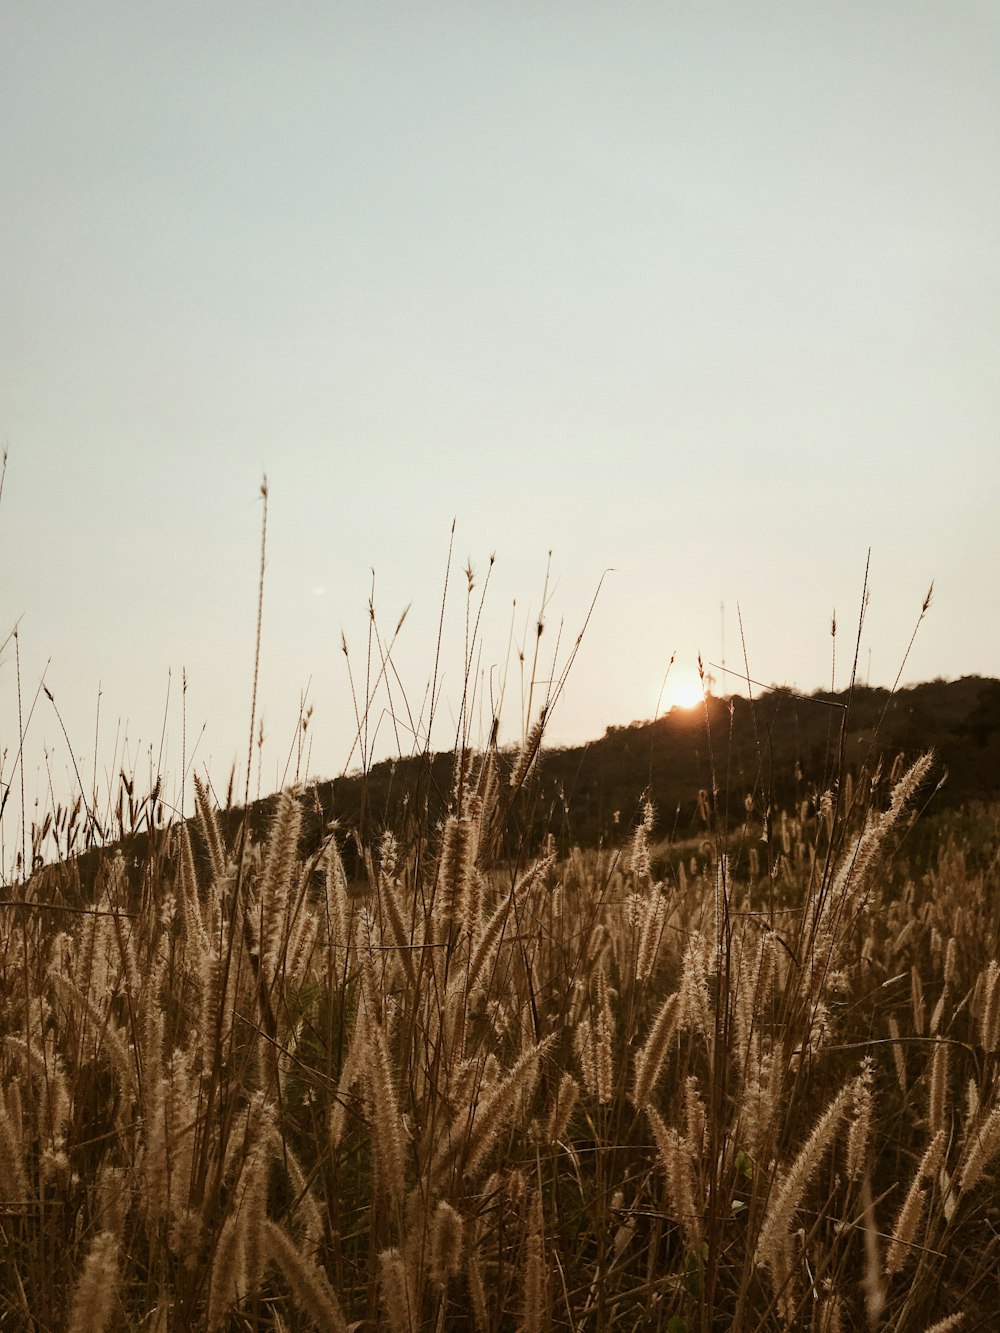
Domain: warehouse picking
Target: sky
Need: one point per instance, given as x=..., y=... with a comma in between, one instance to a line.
x=702, y=299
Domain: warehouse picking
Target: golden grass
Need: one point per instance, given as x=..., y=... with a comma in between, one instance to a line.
x=564, y=1094
x=488, y=1087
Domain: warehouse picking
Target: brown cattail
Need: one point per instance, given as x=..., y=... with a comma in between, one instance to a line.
x=367, y=954
x=676, y=1158
x=652, y=1054
x=100, y=981
x=253, y=1204
x=917, y=1002
x=972, y=1101
x=832, y=1313
x=208, y=824
x=338, y=909
x=453, y=1017
x=650, y=933
x=762, y=1085
x=981, y=1151
x=693, y=1010
x=905, y=1228
x=951, y=962
x=86, y=951
x=938, y=1094
x=445, y=1243
x=477, y=1292
x=604, y=1037
x=859, y=1133
x=474, y=1132
x=528, y=754
x=639, y=855
x=186, y=1233
x=350, y=1072
x=195, y=934
x=754, y=990
x=156, y=1158
x=908, y=1219
x=387, y=1125
x=873, y=1282
x=491, y=934
x=937, y=1013
x=279, y=867
x=306, y=1208
x=109, y=1040
x=989, y=1012
x=401, y=935
x=217, y=1000
x=898, y=1057
x=562, y=1108
x=585, y=1042
x=179, y=1110
x=791, y=1186
x=486, y=786
x=309, y=1285
x=227, y=1281
x=694, y=1116
x=301, y=943
x=395, y=1290
x=534, y=1302
x=488, y=942
x=151, y=1024
x=46, y=1065
x=457, y=848
x=852, y=874
x=97, y=1289
x=781, y=1269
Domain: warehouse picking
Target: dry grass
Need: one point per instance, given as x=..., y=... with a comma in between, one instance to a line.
x=485, y=1087
x=476, y=1093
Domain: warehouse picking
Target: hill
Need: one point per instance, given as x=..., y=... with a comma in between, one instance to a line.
x=758, y=756
x=777, y=750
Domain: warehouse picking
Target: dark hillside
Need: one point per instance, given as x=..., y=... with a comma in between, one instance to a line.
x=778, y=751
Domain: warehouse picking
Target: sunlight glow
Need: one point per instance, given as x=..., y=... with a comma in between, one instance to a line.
x=685, y=692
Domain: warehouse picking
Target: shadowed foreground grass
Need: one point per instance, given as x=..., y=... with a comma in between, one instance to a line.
x=485, y=1091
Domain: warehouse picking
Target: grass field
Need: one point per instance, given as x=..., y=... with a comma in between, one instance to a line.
x=471, y=1089
x=748, y=1081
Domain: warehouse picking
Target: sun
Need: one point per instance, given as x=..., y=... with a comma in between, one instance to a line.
x=684, y=692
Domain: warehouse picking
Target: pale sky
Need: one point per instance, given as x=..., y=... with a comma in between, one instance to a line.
x=706, y=294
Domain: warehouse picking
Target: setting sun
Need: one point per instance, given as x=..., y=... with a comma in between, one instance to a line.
x=684, y=692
